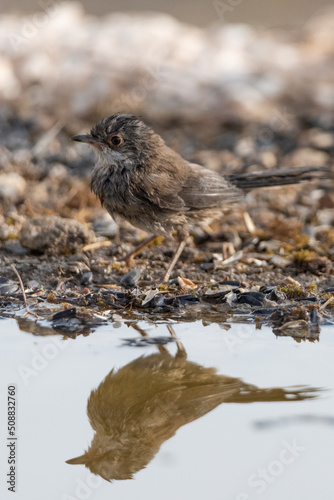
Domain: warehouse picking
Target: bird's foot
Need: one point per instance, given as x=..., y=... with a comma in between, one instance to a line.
x=129, y=257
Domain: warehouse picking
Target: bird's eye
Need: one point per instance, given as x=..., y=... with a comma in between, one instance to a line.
x=116, y=140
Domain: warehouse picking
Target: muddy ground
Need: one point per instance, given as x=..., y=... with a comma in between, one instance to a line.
x=270, y=258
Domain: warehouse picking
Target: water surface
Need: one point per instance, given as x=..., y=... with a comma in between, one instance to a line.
x=236, y=414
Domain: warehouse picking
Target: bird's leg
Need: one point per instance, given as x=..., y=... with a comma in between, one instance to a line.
x=176, y=257
x=129, y=257
x=142, y=332
x=181, y=352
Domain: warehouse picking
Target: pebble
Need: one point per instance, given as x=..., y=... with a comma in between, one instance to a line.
x=325, y=217
x=216, y=295
x=156, y=301
x=77, y=267
x=208, y=266
x=13, y=247
x=182, y=300
x=233, y=284
x=130, y=279
x=273, y=245
x=321, y=139
x=106, y=227
x=33, y=284
x=86, y=278
x=66, y=313
x=307, y=157
x=266, y=289
x=12, y=187
x=279, y=261
x=251, y=298
x=276, y=295
x=7, y=232
x=8, y=289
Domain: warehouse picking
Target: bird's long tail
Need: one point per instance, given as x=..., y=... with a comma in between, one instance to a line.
x=276, y=177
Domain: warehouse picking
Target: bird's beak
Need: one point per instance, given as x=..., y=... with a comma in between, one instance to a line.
x=77, y=460
x=89, y=139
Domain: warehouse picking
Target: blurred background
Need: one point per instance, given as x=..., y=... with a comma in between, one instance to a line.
x=270, y=13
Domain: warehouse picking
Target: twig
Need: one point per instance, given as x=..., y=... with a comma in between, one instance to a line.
x=251, y=228
x=24, y=294
x=228, y=249
x=237, y=256
x=97, y=244
x=61, y=283
x=292, y=281
x=327, y=302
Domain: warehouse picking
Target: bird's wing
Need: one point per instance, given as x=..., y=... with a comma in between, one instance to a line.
x=189, y=187
x=161, y=187
x=162, y=191
x=207, y=189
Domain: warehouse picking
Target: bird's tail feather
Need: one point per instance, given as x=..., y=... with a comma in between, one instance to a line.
x=276, y=177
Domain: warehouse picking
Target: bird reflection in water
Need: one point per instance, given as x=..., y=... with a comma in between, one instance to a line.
x=139, y=407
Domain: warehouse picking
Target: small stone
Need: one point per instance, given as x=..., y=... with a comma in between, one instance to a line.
x=55, y=235
x=277, y=296
x=307, y=157
x=130, y=279
x=33, y=284
x=13, y=247
x=251, y=298
x=268, y=159
x=157, y=301
x=8, y=289
x=86, y=278
x=278, y=261
x=208, y=266
x=272, y=245
x=106, y=227
x=7, y=232
x=321, y=139
x=66, y=313
x=77, y=267
x=79, y=257
x=232, y=283
x=264, y=311
x=325, y=217
x=12, y=187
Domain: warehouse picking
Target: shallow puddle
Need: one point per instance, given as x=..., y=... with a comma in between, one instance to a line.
x=223, y=414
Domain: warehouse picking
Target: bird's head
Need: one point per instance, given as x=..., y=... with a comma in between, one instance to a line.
x=122, y=139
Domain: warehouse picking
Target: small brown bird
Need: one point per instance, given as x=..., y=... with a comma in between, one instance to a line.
x=140, y=179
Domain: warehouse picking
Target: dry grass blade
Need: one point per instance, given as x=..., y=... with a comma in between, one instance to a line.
x=28, y=311
x=96, y=245
x=251, y=228
x=327, y=302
